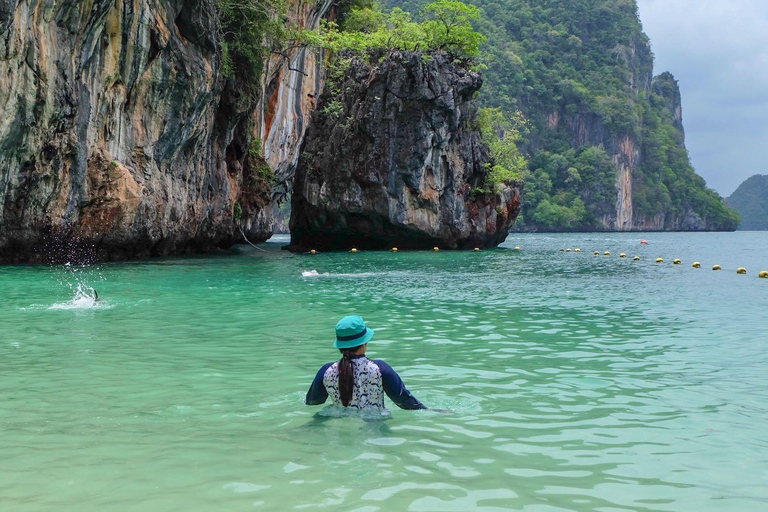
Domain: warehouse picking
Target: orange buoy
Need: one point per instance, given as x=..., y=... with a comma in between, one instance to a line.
x=643, y=242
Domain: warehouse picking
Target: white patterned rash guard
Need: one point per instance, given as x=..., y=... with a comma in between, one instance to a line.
x=373, y=378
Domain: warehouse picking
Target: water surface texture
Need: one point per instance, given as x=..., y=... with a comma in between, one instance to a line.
x=578, y=382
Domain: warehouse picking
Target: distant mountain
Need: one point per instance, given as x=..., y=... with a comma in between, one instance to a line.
x=751, y=201
x=605, y=137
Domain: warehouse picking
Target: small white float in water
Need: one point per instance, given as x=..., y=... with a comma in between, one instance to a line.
x=313, y=273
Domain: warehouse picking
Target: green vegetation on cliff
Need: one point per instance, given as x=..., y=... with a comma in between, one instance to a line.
x=503, y=134
x=581, y=73
x=446, y=27
x=248, y=31
x=598, y=126
x=751, y=201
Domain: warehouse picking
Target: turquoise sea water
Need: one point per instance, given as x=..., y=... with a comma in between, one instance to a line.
x=578, y=382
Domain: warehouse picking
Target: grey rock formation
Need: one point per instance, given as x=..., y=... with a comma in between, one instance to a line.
x=118, y=128
x=668, y=90
x=6, y=12
x=392, y=159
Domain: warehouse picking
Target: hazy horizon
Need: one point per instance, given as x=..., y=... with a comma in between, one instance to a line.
x=718, y=51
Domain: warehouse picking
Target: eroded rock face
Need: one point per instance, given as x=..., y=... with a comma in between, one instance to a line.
x=293, y=80
x=391, y=159
x=118, y=127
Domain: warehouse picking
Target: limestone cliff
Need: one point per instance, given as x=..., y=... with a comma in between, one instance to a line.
x=294, y=79
x=391, y=159
x=606, y=140
x=118, y=128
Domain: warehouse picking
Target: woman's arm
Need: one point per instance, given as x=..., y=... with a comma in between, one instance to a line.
x=317, y=393
x=395, y=389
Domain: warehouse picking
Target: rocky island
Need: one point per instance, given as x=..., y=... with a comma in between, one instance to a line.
x=169, y=127
x=398, y=162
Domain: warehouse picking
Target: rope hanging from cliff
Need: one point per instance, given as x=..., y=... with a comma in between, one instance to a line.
x=246, y=239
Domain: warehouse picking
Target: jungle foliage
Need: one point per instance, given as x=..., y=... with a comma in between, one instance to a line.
x=445, y=25
x=579, y=71
x=503, y=133
x=248, y=31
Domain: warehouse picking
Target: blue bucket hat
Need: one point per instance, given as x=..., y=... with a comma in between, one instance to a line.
x=351, y=332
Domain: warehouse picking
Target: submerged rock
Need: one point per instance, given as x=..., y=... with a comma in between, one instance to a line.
x=393, y=157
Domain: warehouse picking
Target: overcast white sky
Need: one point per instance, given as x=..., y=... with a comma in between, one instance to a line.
x=718, y=51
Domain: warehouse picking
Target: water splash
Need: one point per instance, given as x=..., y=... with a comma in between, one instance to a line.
x=81, y=281
x=84, y=297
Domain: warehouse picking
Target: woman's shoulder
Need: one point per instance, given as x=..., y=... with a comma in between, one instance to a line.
x=383, y=366
x=326, y=367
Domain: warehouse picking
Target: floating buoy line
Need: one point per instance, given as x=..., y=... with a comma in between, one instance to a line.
x=677, y=261
x=763, y=274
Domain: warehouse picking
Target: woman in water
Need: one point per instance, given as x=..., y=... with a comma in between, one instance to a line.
x=355, y=381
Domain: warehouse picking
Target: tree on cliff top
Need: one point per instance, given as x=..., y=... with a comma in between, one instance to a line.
x=248, y=30
x=447, y=26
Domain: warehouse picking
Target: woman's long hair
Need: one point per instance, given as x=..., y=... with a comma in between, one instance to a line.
x=346, y=375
